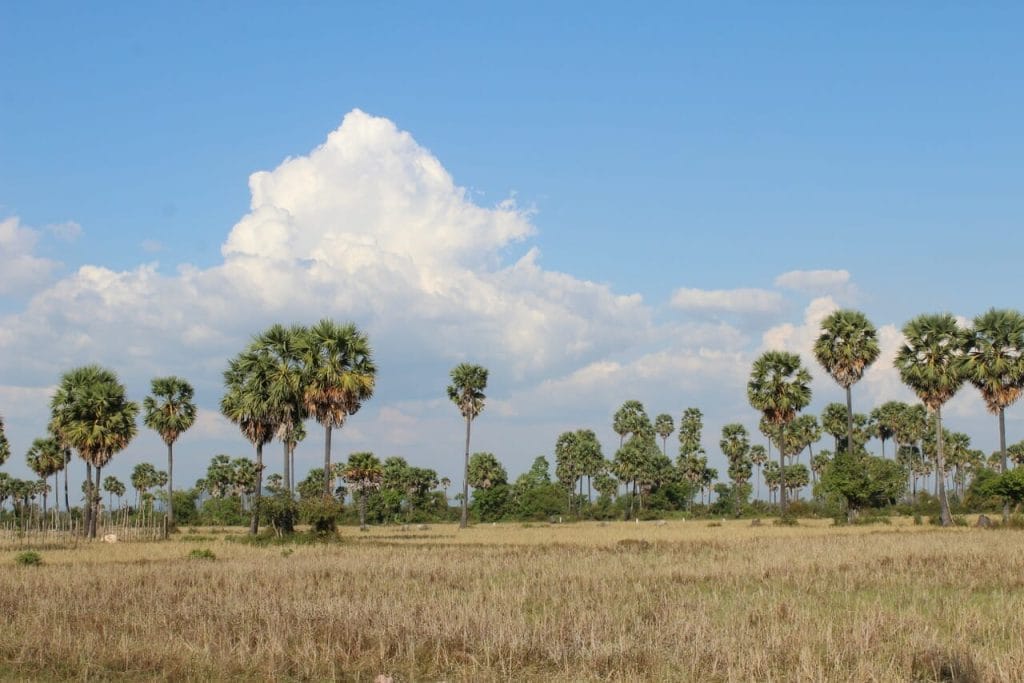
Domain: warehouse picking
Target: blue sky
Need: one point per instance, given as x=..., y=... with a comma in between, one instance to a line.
x=708, y=147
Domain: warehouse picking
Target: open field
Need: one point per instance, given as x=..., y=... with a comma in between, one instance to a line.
x=680, y=601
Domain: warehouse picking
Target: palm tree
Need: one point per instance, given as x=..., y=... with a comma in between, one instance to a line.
x=5, y=446
x=833, y=421
x=45, y=457
x=846, y=347
x=931, y=362
x=169, y=411
x=886, y=419
x=758, y=456
x=94, y=416
x=994, y=363
x=340, y=377
x=113, y=486
x=363, y=474
x=247, y=403
x=779, y=387
x=467, y=392
x=663, y=427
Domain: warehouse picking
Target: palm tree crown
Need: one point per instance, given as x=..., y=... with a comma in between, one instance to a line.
x=467, y=389
x=169, y=410
x=847, y=346
x=779, y=386
x=930, y=361
x=994, y=361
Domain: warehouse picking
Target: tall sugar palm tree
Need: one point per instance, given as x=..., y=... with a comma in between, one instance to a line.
x=340, y=377
x=169, y=411
x=779, y=387
x=758, y=456
x=247, y=403
x=931, y=363
x=467, y=392
x=886, y=420
x=994, y=364
x=94, y=416
x=846, y=347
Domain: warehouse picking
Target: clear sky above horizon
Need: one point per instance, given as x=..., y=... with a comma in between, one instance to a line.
x=690, y=183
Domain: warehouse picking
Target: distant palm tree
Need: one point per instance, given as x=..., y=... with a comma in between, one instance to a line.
x=758, y=456
x=931, y=363
x=45, y=457
x=5, y=446
x=779, y=387
x=467, y=392
x=113, y=486
x=92, y=414
x=994, y=364
x=663, y=427
x=886, y=419
x=846, y=347
x=340, y=376
x=363, y=474
x=169, y=411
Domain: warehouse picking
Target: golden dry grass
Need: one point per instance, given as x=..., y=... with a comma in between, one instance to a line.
x=684, y=601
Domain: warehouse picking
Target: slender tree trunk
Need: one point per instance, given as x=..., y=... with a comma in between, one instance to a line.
x=67, y=469
x=87, y=506
x=940, y=470
x=849, y=420
x=1002, y=453
x=254, y=520
x=291, y=471
x=782, y=468
x=95, y=502
x=464, y=520
x=170, y=486
x=287, y=468
x=327, y=461
x=362, y=510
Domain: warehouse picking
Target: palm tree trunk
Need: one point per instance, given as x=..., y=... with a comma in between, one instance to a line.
x=170, y=486
x=464, y=520
x=254, y=520
x=87, y=507
x=95, y=503
x=67, y=468
x=849, y=420
x=287, y=470
x=940, y=470
x=327, y=460
x=782, y=468
x=291, y=470
x=362, y=510
x=1002, y=452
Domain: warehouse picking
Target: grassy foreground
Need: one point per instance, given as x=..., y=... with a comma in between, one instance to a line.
x=682, y=601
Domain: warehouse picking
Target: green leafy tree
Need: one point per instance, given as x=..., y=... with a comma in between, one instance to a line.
x=5, y=446
x=846, y=348
x=92, y=413
x=340, y=375
x=994, y=364
x=864, y=481
x=931, y=363
x=779, y=387
x=467, y=392
x=630, y=418
x=169, y=411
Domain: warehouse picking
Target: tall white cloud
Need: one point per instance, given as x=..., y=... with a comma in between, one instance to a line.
x=20, y=268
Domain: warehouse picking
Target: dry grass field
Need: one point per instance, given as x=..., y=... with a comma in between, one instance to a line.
x=682, y=601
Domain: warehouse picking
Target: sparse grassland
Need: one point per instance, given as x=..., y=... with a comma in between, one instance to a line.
x=683, y=601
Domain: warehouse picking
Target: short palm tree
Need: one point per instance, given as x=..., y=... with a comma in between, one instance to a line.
x=363, y=474
x=339, y=377
x=846, y=347
x=169, y=411
x=467, y=392
x=994, y=364
x=779, y=387
x=758, y=456
x=931, y=363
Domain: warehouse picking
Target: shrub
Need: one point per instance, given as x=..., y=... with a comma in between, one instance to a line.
x=202, y=554
x=786, y=520
x=321, y=515
x=29, y=558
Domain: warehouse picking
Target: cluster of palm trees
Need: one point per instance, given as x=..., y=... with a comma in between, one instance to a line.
x=289, y=374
